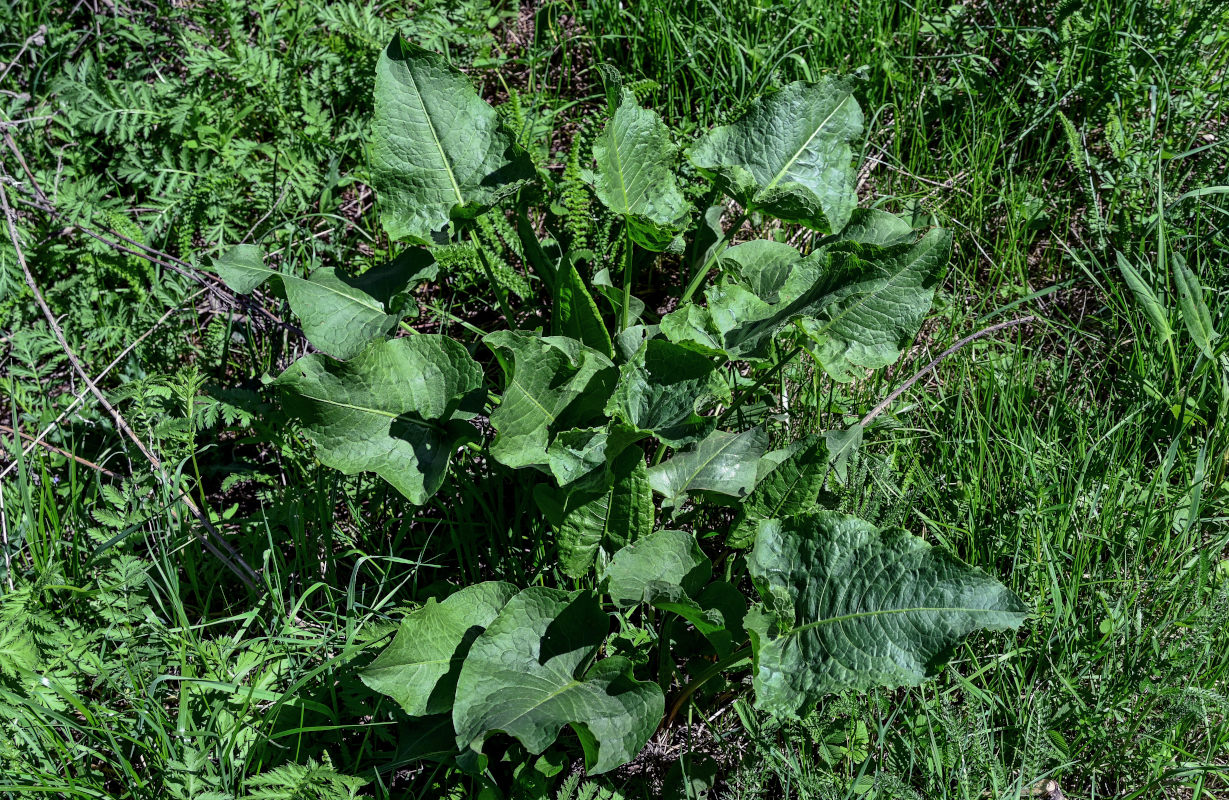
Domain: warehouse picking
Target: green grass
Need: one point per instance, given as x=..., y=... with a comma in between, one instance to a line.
x=1074, y=458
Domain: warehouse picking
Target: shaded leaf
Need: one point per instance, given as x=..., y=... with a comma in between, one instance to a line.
x=663, y=387
x=395, y=409
x=600, y=513
x=575, y=312
x=552, y=384
x=668, y=571
x=525, y=676
x=791, y=487
x=872, y=226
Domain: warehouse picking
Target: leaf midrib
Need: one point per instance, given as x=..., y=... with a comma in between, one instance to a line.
x=793, y=160
x=435, y=136
x=883, y=612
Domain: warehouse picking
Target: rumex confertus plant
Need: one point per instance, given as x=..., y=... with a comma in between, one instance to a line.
x=625, y=416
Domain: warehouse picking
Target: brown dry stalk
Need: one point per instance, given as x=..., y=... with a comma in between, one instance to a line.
x=879, y=409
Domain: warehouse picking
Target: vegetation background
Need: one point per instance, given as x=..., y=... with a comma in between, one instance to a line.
x=1081, y=458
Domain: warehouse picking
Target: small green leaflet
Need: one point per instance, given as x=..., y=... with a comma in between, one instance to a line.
x=553, y=384
x=526, y=676
x=789, y=155
x=723, y=463
x=792, y=487
x=438, y=151
x=850, y=606
x=1195, y=311
x=1154, y=309
x=635, y=177
x=339, y=314
x=396, y=409
x=419, y=668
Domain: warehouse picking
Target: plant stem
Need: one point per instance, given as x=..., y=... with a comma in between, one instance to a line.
x=729, y=662
x=767, y=376
x=698, y=278
x=629, y=272
x=490, y=276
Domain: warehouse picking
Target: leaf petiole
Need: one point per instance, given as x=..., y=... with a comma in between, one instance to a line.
x=698, y=278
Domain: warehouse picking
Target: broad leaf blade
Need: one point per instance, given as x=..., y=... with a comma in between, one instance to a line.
x=439, y=152
x=662, y=389
x=724, y=463
x=552, y=384
x=849, y=606
x=525, y=676
x=393, y=410
x=242, y=268
x=664, y=565
x=340, y=315
x=419, y=668
x=861, y=311
x=789, y=155
x=635, y=177
x=872, y=226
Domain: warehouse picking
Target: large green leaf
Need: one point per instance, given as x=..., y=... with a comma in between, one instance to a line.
x=850, y=606
x=861, y=303
x=789, y=154
x=663, y=387
x=395, y=409
x=635, y=176
x=419, y=668
x=792, y=487
x=526, y=676
x=600, y=513
x=723, y=463
x=438, y=151
x=553, y=384
x=339, y=314
x=668, y=571
x=874, y=310
x=575, y=313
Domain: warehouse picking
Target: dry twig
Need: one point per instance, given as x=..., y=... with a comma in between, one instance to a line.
x=212, y=539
